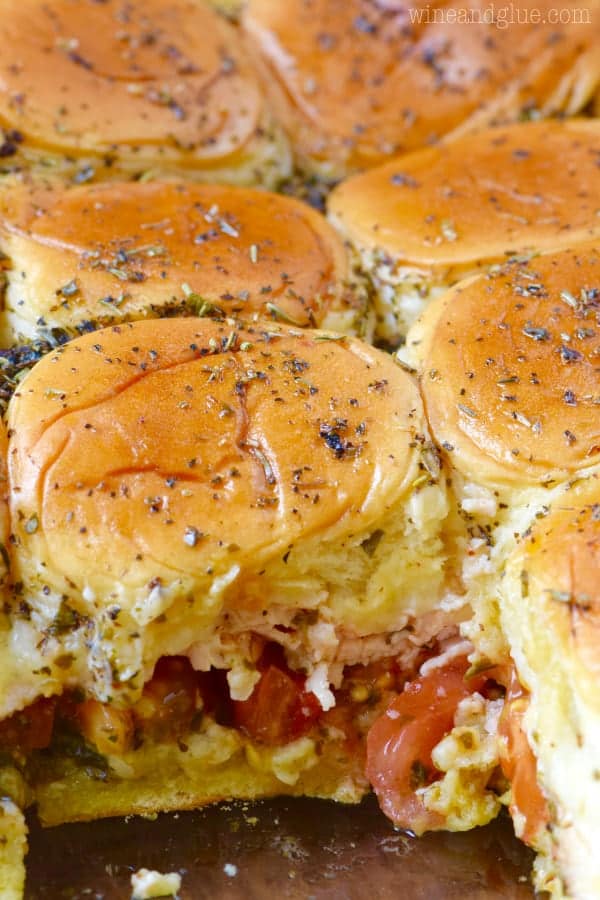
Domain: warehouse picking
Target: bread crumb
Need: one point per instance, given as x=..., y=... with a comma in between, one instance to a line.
x=147, y=884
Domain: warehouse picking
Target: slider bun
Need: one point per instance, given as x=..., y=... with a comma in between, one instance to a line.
x=18, y=687
x=422, y=221
x=509, y=369
x=167, y=471
x=243, y=251
x=353, y=82
x=99, y=90
x=502, y=190
x=561, y=561
x=4, y=544
x=550, y=605
x=13, y=847
x=217, y=764
x=4, y=499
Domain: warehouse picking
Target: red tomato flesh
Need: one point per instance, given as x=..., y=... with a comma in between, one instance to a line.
x=29, y=729
x=280, y=709
x=400, y=742
x=519, y=765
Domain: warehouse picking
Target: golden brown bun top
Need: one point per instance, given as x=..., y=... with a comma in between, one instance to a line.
x=361, y=80
x=558, y=564
x=178, y=449
x=79, y=75
x=510, y=368
x=472, y=200
x=120, y=249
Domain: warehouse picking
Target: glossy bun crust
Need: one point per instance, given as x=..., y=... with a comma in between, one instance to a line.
x=509, y=369
x=448, y=210
x=93, y=90
x=550, y=603
x=222, y=399
x=104, y=253
x=354, y=81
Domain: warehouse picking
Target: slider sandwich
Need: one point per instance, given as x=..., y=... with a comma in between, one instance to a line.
x=354, y=81
x=508, y=366
x=549, y=601
x=421, y=222
x=229, y=549
x=13, y=792
x=98, y=254
x=94, y=91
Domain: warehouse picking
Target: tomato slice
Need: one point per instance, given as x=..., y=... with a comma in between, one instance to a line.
x=279, y=710
x=519, y=765
x=400, y=742
x=31, y=728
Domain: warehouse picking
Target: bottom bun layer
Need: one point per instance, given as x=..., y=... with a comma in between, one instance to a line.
x=216, y=765
x=13, y=846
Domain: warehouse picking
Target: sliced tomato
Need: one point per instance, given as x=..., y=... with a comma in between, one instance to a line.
x=520, y=765
x=169, y=700
x=279, y=710
x=400, y=742
x=31, y=728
